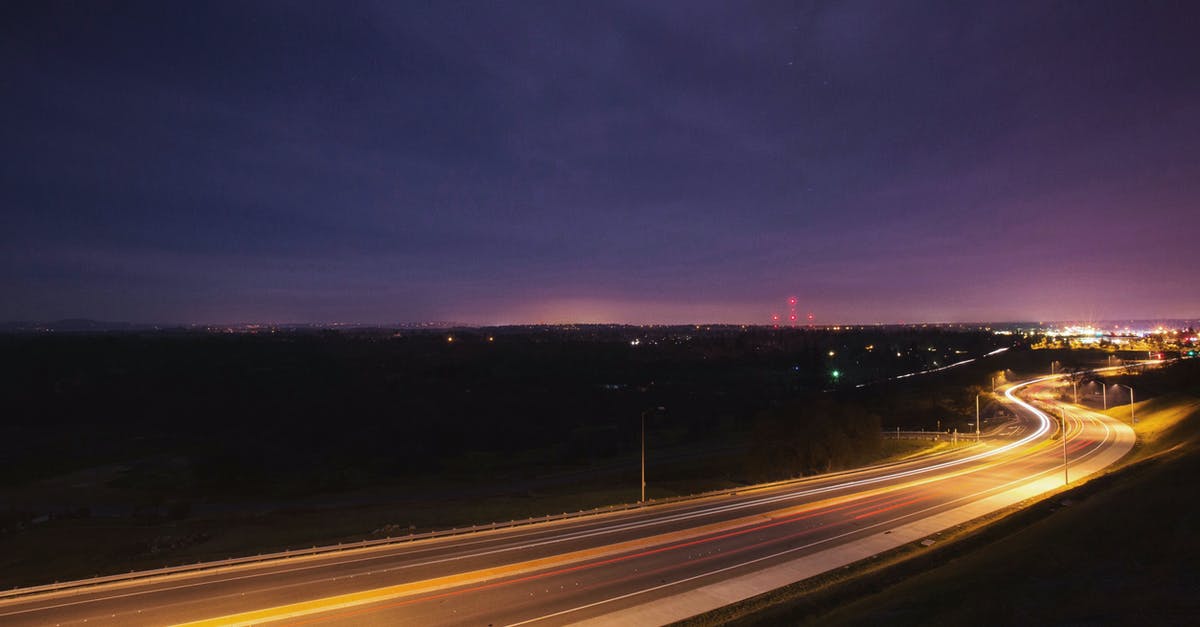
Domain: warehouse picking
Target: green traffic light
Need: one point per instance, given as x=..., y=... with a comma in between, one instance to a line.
x=836, y=374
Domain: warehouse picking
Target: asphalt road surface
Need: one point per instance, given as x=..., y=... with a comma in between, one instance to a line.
x=649, y=565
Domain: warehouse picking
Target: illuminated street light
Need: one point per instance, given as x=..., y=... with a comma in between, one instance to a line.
x=1063, y=414
x=1132, y=414
x=976, y=417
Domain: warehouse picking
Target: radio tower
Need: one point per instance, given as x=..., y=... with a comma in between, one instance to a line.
x=792, y=310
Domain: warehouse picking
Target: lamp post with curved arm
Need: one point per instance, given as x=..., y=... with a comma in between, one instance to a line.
x=1132, y=414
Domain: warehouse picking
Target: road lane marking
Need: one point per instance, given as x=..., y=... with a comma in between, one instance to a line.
x=682, y=545
x=580, y=560
x=661, y=543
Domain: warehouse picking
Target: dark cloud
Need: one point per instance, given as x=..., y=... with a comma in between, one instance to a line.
x=633, y=161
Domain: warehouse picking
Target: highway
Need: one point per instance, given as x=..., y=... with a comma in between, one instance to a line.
x=644, y=566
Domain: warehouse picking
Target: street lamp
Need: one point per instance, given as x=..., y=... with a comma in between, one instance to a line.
x=1132, y=414
x=1063, y=414
x=976, y=417
x=644, y=412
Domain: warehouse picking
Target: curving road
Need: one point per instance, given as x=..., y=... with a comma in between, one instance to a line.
x=644, y=566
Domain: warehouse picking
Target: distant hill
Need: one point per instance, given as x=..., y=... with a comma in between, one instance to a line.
x=87, y=325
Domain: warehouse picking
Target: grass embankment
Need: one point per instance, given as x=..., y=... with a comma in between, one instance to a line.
x=67, y=548
x=1162, y=424
x=1121, y=549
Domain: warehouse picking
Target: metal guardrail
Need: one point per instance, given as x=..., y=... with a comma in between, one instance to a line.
x=923, y=435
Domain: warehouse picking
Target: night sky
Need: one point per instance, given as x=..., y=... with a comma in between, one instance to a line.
x=501, y=162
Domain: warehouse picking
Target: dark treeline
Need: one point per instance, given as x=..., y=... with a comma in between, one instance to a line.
x=1182, y=377
x=804, y=438
x=202, y=415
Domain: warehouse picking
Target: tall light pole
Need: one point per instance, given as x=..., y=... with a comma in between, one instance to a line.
x=976, y=417
x=1063, y=414
x=1104, y=395
x=1132, y=414
x=644, y=412
x=993, y=385
x=1075, y=391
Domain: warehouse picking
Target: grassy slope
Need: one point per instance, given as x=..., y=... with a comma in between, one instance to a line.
x=1124, y=555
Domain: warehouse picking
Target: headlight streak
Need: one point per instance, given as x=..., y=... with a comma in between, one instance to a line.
x=1044, y=427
